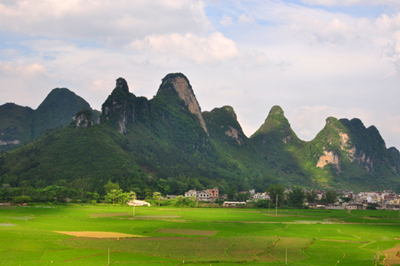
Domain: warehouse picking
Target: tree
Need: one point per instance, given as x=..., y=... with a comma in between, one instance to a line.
x=330, y=196
x=123, y=197
x=296, y=197
x=148, y=193
x=5, y=192
x=95, y=196
x=274, y=190
x=23, y=185
x=113, y=195
x=262, y=203
x=157, y=197
x=179, y=200
x=243, y=196
x=49, y=193
x=311, y=196
x=231, y=193
x=22, y=199
x=345, y=199
x=110, y=186
x=82, y=185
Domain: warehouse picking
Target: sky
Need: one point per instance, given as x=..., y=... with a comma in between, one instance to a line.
x=314, y=58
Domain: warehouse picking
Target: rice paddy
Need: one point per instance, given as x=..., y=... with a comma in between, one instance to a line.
x=94, y=235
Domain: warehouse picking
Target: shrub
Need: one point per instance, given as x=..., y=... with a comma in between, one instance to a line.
x=22, y=199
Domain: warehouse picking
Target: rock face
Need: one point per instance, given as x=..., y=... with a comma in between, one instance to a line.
x=182, y=86
x=350, y=140
x=223, y=125
x=84, y=119
x=119, y=107
x=233, y=133
x=329, y=157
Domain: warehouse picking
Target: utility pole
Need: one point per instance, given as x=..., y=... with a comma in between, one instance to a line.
x=108, y=256
x=377, y=255
x=269, y=208
x=276, y=213
x=286, y=257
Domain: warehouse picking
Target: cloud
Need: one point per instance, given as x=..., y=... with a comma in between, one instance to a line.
x=212, y=48
x=21, y=69
x=245, y=19
x=331, y=3
x=111, y=22
x=226, y=21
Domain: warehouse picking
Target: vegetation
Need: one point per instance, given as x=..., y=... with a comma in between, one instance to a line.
x=276, y=193
x=159, y=145
x=26, y=125
x=198, y=236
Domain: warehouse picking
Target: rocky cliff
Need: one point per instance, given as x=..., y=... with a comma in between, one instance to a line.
x=84, y=119
x=119, y=108
x=181, y=85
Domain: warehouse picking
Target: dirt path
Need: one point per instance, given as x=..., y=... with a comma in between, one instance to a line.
x=96, y=234
x=392, y=256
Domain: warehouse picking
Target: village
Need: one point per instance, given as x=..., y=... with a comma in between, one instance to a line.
x=345, y=200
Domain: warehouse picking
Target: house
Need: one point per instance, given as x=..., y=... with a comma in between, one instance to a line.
x=214, y=193
x=138, y=203
x=353, y=206
x=191, y=193
x=259, y=195
x=204, y=195
x=334, y=207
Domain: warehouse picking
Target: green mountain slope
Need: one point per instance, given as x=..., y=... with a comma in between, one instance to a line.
x=15, y=125
x=282, y=149
x=353, y=155
x=57, y=110
x=19, y=125
x=167, y=144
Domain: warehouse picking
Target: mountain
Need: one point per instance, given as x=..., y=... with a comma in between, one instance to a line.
x=168, y=144
x=354, y=155
x=15, y=125
x=279, y=146
x=19, y=125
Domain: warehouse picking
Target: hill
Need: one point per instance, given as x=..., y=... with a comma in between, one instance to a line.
x=167, y=144
x=19, y=125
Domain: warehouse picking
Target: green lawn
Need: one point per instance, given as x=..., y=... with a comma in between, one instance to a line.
x=195, y=236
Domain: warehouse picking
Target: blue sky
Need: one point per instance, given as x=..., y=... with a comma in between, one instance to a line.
x=314, y=58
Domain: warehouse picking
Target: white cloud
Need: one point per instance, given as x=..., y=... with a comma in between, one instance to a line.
x=27, y=70
x=112, y=22
x=213, y=48
x=245, y=19
x=313, y=62
x=331, y=3
x=226, y=21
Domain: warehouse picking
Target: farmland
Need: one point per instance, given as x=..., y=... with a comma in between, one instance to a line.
x=87, y=235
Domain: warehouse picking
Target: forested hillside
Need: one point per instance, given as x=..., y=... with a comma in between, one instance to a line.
x=167, y=144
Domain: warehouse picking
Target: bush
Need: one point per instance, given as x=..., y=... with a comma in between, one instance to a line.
x=21, y=199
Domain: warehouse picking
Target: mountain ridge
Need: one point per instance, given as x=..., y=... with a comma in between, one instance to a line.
x=167, y=144
x=25, y=124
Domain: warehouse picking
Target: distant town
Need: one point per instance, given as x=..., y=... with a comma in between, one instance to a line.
x=345, y=199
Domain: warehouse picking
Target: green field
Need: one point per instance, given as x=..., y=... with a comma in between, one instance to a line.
x=196, y=236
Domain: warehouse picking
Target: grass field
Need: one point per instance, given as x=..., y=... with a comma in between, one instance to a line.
x=163, y=236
